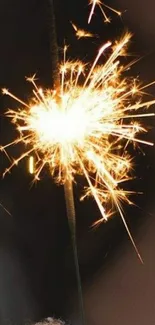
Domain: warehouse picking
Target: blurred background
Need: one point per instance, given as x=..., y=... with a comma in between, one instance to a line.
x=37, y=274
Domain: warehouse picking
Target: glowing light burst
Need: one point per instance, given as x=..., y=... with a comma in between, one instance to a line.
x=99, y=3
x=84, y=128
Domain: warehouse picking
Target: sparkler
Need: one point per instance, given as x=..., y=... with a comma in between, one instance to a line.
x=84, y=127
x=101, y=5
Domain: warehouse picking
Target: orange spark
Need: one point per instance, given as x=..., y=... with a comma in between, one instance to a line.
x=81, y=33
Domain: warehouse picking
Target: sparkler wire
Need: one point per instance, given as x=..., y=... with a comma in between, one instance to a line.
x=68, y=185
x=70, y=208
x=53, y=42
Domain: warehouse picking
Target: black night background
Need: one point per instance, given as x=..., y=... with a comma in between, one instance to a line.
x=37, y=273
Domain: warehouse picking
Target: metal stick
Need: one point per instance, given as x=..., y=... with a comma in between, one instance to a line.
x=68, y=186
x=70, y=207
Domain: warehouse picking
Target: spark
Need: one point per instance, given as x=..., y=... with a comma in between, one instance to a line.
x=31, y=165
x=5, y=209
x=84, y=128
x=98, y=3
x=81, y=33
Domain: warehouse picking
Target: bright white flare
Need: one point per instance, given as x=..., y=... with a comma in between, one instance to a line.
x=84, y=127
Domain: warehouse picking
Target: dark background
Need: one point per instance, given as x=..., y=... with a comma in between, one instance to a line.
x=37, y=276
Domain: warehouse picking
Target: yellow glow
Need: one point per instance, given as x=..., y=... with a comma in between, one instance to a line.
x=31, y=165
x=84, y=127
